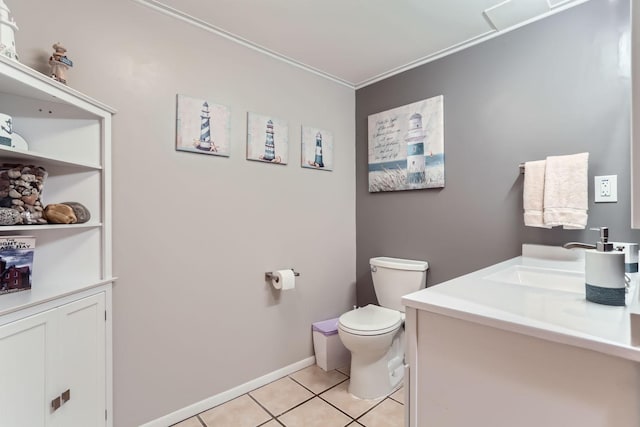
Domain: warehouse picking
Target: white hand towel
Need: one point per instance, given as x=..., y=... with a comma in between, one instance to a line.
x=533, y=194
x=566, y=191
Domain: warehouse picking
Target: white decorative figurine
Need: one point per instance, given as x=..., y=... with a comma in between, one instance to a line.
x=59, y=63
x=7, y=36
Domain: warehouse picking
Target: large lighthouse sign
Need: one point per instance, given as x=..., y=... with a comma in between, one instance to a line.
x=406, y=147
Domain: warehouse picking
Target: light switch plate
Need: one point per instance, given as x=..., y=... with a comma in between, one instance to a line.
x=606, y=189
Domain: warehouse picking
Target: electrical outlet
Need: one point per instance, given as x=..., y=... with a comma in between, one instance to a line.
x=606, y=189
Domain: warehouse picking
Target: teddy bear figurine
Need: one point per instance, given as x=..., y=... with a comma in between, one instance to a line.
x=59, y=63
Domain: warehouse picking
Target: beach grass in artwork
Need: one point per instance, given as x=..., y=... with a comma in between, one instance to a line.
x=395, y=178
x=267, y=139
x=317, y=148
x=202, y=126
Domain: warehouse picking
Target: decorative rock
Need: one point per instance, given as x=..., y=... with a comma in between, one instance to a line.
x=30, y=199
x=9, y=216
x=81, y=212
x=24, y=184
x=58, y=213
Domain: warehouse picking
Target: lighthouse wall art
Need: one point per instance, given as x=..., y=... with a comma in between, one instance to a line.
x=202, y=126
x=317, y=148
x=406, y=147
x=267, y=139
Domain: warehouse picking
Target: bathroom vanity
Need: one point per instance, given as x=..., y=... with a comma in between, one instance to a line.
x=517, y=344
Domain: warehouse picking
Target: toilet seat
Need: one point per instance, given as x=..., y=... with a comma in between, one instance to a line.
x=370, y=320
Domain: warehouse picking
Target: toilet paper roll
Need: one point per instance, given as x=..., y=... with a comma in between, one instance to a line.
x=284, y=279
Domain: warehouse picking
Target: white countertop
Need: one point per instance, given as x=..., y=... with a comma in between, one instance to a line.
x=554, y=315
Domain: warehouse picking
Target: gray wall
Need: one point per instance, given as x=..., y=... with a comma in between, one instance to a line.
x=557, y=86
x=194, y=234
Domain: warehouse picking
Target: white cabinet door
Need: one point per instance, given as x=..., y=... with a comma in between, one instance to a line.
x=26, y=356
x=56, y=354
x=81, y=363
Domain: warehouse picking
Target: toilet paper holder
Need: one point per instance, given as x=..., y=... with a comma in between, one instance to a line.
x=269, y=275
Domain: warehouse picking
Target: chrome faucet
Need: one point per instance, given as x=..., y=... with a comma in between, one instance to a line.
x=574, y=245
x=603, y=245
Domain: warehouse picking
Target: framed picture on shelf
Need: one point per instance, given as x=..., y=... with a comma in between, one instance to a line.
x=202, y=126
x=16, y=263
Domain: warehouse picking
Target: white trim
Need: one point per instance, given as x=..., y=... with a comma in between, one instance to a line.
x=465, y=44
x=225, y=396
x=175, y=13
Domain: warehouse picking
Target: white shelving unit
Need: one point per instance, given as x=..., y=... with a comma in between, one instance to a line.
x=69, y=135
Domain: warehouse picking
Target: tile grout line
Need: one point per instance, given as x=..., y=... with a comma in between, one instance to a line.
x=314, y=395
x=296, y=406
x=275, y=417
x=319, y=397
x=323, y=391
x=375, y=406
x=262, y=406
x=268, y=421
x=200, y=419
x=331, y=404
x=313, y=392
x=396, y=400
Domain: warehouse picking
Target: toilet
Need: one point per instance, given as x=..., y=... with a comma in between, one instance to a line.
x=375, y=334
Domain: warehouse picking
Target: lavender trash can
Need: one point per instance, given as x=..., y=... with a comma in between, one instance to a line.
x=329, y=350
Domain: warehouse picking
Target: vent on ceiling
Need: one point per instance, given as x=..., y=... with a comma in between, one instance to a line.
x=510, y=13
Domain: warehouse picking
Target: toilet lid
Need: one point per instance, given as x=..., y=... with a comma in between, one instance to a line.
x=370, y=320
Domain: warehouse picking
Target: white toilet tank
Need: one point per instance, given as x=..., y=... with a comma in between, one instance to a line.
x=395, y=277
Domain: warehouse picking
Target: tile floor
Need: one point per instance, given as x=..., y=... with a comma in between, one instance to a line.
x=310, y=397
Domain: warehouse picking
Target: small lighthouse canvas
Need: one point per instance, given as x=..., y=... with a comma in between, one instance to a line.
x=202, y=126
x=267, y=139
x=317, y=148
x=406, y=147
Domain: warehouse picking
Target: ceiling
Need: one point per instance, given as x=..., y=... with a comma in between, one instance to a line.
x=358, y=42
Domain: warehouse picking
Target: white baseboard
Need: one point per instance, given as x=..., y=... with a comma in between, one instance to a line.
x=225, y=396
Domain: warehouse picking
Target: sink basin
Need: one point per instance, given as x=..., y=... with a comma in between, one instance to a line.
x=543, y=278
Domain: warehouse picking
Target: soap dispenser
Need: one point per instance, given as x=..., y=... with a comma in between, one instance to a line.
x=604, y=272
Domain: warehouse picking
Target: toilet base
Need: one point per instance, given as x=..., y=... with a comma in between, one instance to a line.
x=373, y=376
